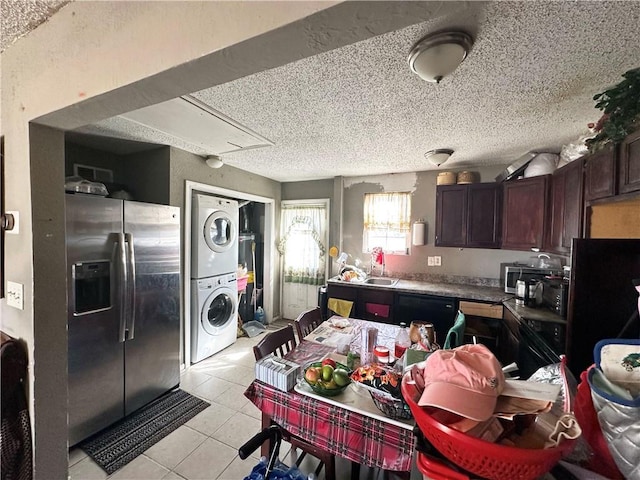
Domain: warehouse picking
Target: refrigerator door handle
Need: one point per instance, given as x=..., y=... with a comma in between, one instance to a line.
x=121, y=253
x=131, y=285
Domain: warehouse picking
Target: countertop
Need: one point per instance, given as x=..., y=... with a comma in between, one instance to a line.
x=493, y=295
x=463, y=292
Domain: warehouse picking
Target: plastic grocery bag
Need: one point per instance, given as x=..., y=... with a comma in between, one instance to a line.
x=280, y=472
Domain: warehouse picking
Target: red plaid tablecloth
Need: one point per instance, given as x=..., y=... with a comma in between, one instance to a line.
x=351, y=435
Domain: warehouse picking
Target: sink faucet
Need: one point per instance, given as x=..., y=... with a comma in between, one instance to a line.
x=377, y=258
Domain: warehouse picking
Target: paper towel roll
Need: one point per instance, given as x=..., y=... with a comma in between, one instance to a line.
x=418, y=233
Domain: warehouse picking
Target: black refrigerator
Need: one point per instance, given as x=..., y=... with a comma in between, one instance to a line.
x=603, y=301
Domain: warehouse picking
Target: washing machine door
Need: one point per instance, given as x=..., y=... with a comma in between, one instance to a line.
x=219, y=310
x=220, y=231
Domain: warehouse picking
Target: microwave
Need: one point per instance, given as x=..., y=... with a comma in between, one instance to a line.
x=513, y=273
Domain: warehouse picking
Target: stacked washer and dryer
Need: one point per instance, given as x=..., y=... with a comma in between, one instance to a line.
x=214, y=288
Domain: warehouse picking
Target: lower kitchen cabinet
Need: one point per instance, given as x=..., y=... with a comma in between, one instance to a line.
x=375, y=305
x=509, y=339
x=483, y=323
x=341, y=292
x=525, y=213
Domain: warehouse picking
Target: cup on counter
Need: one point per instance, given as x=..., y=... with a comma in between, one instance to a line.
x=369, y=340
x=382, y=354
x=343, y=345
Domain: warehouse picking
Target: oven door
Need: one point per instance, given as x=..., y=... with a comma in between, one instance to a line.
x=534, y=351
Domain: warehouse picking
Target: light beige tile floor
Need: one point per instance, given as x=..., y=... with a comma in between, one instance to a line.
x=206, y=447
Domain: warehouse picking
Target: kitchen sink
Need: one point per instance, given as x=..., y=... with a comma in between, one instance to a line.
x=386, y=282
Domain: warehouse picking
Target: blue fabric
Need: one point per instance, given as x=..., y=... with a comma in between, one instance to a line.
x=456, y=333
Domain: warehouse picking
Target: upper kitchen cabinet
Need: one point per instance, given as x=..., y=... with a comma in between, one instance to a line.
x=600, y=174
x=468, y=215
x=566, y=207
x=629, y=155
x=524, y=213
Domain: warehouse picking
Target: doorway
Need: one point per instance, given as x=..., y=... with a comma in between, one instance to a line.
x=262, y=221
x=303, y=247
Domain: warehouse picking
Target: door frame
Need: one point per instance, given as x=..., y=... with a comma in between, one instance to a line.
x=269, y=237
x=312, y=201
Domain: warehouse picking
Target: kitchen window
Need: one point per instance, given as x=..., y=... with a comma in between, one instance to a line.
x=387, y=222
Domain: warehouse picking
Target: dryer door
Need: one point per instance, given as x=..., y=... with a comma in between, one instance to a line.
x=220, y=231
x=219, y=310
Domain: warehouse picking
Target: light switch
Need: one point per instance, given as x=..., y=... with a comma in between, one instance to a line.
x=437, y=261
x=15, y=295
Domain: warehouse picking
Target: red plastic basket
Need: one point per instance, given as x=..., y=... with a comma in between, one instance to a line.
x=489, y=460
x=434, y=470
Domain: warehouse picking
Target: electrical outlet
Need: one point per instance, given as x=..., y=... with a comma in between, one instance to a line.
x=437, y=261
x=430, y=261
x=15, y=295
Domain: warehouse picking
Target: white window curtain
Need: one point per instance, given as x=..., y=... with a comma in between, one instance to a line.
x=303, y=229
x=387, y=218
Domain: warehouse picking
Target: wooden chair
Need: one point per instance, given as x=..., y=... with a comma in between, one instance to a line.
x=307, y=322
x=280, y=343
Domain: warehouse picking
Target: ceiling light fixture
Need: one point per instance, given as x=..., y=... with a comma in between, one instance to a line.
x=436, y=56
x=214, y=161
x=438, y=156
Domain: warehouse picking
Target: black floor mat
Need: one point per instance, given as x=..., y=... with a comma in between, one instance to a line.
x=117, y=445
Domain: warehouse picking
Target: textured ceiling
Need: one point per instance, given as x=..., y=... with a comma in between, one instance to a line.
x=527, y=84
x=19, y=17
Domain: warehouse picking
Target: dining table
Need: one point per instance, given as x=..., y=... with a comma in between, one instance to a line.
x=348, y=425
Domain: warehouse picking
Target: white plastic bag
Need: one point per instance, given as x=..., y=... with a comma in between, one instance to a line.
x=541, y=164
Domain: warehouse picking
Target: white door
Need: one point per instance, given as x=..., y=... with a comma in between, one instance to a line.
x=303, y=246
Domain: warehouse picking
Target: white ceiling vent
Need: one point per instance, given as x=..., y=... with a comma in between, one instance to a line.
x=198, y=124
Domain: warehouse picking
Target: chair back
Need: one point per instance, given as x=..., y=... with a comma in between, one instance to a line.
x=279, y=343
x=456, y=333
x=307, y=322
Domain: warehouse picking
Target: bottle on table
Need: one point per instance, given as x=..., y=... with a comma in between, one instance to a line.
x=402, y=341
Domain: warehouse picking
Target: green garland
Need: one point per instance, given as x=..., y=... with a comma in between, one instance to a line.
x=621, y=107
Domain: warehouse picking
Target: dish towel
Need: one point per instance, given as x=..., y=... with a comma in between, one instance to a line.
x=341, y=307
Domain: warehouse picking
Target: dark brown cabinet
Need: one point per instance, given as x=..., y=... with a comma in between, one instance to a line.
x=375, y=305
x=629, y=155
x=469, y=215
x=525, y=213
x=566, y=207
x=509, y=338
x=343, y=293
x=600, y=174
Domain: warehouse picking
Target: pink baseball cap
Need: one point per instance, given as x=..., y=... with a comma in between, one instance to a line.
x=466, y=380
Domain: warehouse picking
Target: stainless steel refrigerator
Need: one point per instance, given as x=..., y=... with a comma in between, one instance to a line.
x=123, y=284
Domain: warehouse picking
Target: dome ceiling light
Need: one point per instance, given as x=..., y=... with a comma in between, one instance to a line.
x=436, y=56
x=214, y=161
x=438, y=156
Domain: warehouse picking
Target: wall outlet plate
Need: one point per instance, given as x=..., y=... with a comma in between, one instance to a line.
x=430, y=262
x=15, y=295
x=437, y=261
